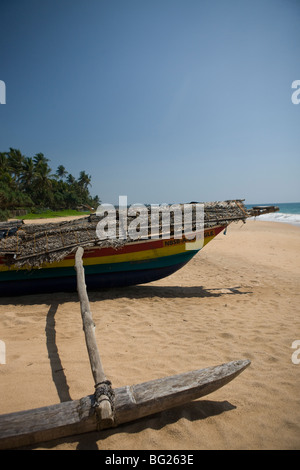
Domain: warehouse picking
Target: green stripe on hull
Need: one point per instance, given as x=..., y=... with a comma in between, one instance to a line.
x=164, y=261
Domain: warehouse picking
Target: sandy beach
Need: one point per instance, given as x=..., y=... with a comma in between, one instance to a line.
x=237, y=299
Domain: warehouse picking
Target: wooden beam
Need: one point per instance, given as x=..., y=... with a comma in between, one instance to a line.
x=102, y=385
x=131, y=402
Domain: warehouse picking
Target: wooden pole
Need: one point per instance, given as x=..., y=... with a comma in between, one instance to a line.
x=103, y=392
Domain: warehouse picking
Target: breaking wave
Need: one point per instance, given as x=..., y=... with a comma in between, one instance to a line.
x=293, y=219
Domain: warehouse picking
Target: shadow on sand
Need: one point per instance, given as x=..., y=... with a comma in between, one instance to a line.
x=133, y=292
x=196, y=410
x=193, y=411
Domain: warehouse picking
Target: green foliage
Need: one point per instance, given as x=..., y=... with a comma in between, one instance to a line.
x=3, y=215
x=51, y=214
x=28, y=182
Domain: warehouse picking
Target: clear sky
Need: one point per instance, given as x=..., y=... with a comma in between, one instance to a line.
x=159, y=100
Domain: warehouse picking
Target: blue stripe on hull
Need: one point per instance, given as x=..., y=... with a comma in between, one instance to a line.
x=62, y=272
x=93, y=281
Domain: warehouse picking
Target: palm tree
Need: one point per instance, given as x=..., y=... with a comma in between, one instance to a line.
x=15, y=163
x=27, y=181
x=71, y=179
x=43, y=183
x=43, y=173
x=84, y=179
x=61, y=171
x=4, y=168
x=40, y=158
x=28, y=173
x=96, y=201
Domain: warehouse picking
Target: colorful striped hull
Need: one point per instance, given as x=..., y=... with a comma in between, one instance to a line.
x=135, y=263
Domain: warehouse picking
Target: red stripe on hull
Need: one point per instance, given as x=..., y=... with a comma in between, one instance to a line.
x=136, y=247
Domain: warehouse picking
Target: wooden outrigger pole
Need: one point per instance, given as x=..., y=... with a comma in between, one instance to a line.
x=103, y=391
x=108, y=408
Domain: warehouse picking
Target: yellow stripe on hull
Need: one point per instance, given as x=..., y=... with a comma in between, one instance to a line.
x=166, y=250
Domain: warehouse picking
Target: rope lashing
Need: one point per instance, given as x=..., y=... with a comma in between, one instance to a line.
x=104, y=389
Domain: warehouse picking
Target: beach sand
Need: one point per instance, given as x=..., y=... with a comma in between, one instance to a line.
x=237, y=299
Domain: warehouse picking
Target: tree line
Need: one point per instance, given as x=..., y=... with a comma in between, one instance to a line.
x=28, y=183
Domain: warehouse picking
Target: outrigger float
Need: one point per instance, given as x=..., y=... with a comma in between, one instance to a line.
x=107, y=407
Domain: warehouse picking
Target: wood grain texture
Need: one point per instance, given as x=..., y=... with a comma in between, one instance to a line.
x=131, y=403
x=104, y=409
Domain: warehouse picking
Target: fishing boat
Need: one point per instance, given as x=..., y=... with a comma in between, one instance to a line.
x=70, y=256
x=40, y=258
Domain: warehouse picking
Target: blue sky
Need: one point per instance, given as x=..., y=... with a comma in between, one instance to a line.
x=162, y=101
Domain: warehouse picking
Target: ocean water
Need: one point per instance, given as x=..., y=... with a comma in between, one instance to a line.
x=288, y=213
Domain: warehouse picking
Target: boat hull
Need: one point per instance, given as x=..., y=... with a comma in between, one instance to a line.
x=135, y=263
